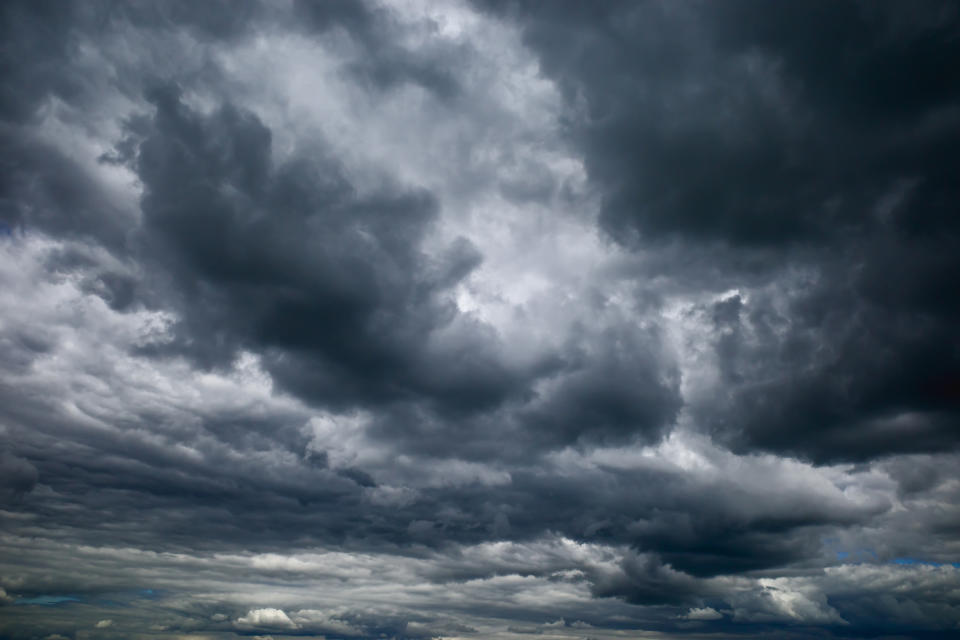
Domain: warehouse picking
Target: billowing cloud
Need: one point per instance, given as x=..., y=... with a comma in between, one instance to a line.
x=478, y=319
x=813, y=179
x=268, y=618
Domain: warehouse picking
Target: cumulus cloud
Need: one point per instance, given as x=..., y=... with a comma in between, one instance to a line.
x=478, y=318
x=267, y=618
x=703, y=613
x=737, y=140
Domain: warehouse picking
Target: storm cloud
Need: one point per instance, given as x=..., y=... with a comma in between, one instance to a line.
x=479, y=319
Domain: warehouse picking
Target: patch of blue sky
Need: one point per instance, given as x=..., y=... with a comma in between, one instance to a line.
x=857, y=556
x=909, y=561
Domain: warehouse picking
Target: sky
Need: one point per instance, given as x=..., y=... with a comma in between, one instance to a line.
x=479, y=319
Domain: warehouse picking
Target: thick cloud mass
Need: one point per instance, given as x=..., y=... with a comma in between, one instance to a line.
x=820, y=138
x=479, y=320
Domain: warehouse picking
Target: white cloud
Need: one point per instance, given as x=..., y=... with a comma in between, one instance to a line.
x=265, y=618
x=800, y=600
x=703, y=613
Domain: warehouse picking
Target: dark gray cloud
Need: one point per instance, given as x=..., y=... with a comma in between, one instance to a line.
x=818, y=137
x=478, y=320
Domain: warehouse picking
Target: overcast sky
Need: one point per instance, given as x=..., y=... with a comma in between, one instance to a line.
x=479, y=320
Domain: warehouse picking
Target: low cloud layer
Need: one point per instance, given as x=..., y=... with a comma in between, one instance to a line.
x=478, y=320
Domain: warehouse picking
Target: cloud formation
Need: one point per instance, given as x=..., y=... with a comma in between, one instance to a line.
x=478, y=319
